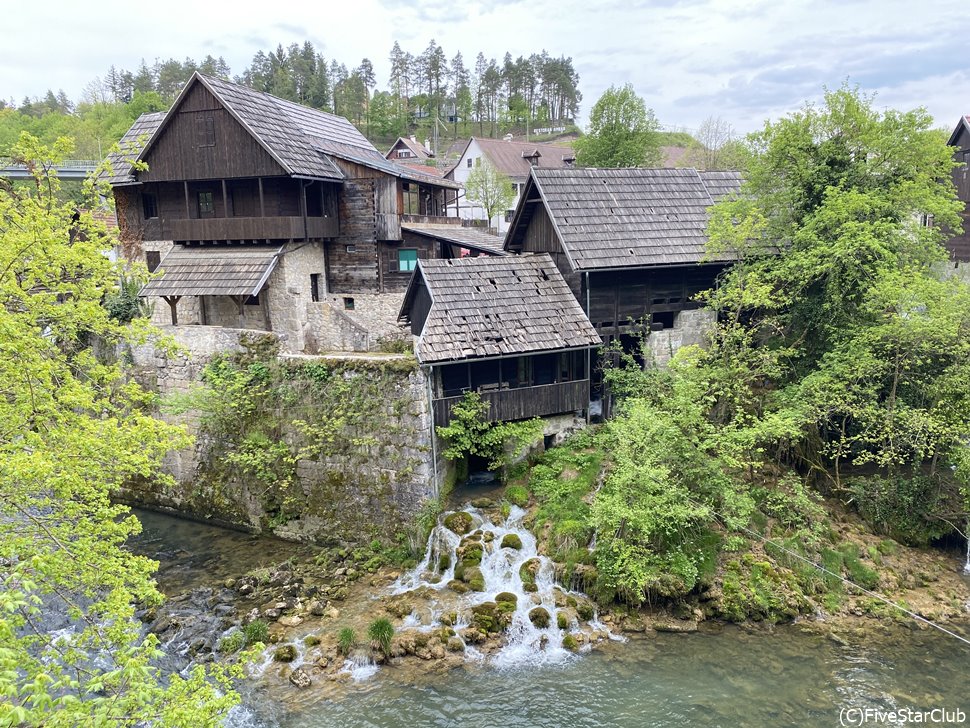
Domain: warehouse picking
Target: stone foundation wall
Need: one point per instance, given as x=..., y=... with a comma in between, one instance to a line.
x=690, y=328
x=370, y=479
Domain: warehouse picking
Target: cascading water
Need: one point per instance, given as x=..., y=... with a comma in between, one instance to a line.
x=966, y=564
x=510, y=583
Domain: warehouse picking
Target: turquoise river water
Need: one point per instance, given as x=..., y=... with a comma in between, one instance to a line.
x=730, y=676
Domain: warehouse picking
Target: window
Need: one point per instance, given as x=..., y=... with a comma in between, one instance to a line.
x=407, y=259
x=149, y=206
x=470, y=162
x=403, y=153
x=351, y=248
x=251, y=300
x=508, y=215
x=152, y=259
x=315, y=287
x=207, y=131
x=206, y=205
x=412, y=203
x=348, y=303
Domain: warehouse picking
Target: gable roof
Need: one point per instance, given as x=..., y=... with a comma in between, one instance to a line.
x=467, y=237
x=417, y=149
x=507, y=157
x=492, y=307
x=962, y=126
x=302, y=140
x=626, y=218
x=210, y=271
x=131, y=144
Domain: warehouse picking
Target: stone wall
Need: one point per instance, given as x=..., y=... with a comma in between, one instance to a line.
x=333, y=326
x=690, y=327
x=356, y=432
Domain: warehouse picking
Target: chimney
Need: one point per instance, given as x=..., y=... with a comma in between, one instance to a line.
x=413, y=139
x=427, y=145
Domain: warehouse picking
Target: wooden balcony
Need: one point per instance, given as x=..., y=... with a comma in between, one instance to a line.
x=431, y=220
x=524, y=402
x=250, y=228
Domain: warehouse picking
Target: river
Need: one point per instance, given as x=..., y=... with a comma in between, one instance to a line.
x=730, y=676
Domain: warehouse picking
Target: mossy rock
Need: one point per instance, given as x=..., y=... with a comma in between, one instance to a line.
x=285, y=653
x=539, y=616
x=470, y=552
x=458, y=587
x=459, y=522
x=311, y=640
x=474, y=578
x=483, y=503
x=562, y=621
x=506, y=597
x=455, y=644
x=570, y=643
x=485, y=616
x=444, y=562
x=517, y=495
x=511, y=541
x=527, y=573
x=584, y=610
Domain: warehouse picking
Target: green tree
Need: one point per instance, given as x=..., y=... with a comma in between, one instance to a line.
x=74, y=430
x=489, y=189
x=622, y=132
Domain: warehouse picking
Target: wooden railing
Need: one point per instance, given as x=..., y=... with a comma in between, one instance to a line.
x=250, y=228
x=431, y=220
x=524, y=402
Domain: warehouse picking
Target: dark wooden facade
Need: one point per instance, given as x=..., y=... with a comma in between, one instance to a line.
x=516, y=388
x=212, y=179
x=617, y=301
x=959, y=245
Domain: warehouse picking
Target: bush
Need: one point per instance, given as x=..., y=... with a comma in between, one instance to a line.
x=232, y=643
x=346, y=640
x=381, y=631
x=517, y=495
x=900, y=507
x=256, y=631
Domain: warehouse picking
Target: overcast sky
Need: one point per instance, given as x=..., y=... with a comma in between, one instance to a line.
x=742, y=60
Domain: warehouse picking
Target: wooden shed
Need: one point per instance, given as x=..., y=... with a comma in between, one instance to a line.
x=506, y=327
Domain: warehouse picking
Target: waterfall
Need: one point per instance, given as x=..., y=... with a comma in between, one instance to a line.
x=966, y=564
x=535, y=640
x=360, y=666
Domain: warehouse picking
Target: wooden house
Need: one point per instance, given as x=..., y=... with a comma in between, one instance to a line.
x=506, y=327
x=230, y=180
x=408, y=150
x=630, y=244
x=513, y=159
x=959, y=245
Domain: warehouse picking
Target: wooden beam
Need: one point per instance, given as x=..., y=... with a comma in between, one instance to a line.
x=262, y=203
x=188, y=210
x=225, y=200
x=172, y=302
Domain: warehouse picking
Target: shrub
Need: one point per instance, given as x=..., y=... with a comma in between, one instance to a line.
x=256, y=631
x=381, y=631
x=346, y=640
x=517, y=495
x=232, y=643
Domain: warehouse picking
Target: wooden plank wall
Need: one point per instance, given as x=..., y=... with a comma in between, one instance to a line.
x=395, y=280
x=355, y=270
x=388, y=221
x=181, y=151
x=617, y=297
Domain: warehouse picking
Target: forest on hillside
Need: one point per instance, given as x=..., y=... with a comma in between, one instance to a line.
x=488, y=97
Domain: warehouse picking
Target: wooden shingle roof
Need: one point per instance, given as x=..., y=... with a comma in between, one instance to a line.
x=131, y=144
x=492, y=307
x=629, y=218
x=467, y=237
x=209, y=271
x=302, y=140
x=721, y=183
